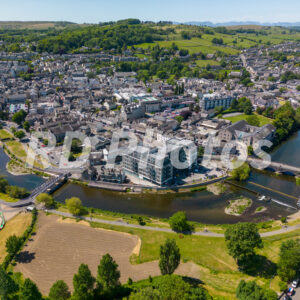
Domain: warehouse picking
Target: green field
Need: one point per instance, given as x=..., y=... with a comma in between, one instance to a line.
x=17, y=149
x=217, y=269
x=233, y=43
x=194, y=45
x=4, y=135
x=7, y=198
x=263, y=120
x=204, y=63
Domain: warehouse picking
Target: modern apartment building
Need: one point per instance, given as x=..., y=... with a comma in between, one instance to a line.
x=210, y=101
x=149, y=164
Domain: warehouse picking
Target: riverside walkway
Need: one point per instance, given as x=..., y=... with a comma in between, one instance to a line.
x=285, y=229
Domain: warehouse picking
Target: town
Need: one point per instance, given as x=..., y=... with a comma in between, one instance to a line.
x=149, y=160
x=65, y=94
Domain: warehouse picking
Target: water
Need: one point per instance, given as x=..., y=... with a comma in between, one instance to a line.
x=203, y=206
x=199, y=206
x=287, y=153
x=29, y=181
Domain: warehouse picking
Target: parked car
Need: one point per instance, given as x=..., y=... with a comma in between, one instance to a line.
x=295, y=283
x=291, y=291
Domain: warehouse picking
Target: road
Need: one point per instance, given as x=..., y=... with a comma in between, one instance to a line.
x=197, y=233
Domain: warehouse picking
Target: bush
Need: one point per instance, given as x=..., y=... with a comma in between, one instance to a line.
x=179, y=223
x=283, y=286
x=74, y=206
x=283, y=220
x=46, y=199
x=241, y=173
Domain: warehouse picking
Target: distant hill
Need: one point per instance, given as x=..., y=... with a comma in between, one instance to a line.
x=33, y=24
x=226, y=24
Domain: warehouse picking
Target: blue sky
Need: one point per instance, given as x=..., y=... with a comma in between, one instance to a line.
x=93, y=11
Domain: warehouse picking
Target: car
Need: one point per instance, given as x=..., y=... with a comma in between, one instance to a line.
x=295, y=283
x=291, y=291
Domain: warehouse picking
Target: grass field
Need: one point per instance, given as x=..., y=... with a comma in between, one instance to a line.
x=7, y=198
x=263, y=120
x=204, y=63
x=216, y=268
x=232, y=43
x=16, y=226
x=17, y=149
x=4, y=135
x=194, y=45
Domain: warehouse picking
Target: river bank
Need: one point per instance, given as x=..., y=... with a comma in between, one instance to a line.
x=201, y=204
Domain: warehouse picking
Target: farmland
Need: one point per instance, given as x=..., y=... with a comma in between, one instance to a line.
x=232, y=43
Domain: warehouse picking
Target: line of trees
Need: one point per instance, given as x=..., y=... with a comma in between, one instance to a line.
x=12, y=190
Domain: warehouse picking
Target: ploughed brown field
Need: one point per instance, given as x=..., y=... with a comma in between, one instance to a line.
x=60, y=246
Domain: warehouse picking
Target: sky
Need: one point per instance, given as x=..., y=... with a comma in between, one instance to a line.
x=94, y=11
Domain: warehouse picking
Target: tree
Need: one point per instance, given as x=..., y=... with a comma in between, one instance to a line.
x=169, y=257
x=241, y=173
x=74, y=206
x=201, y=150
x=251, y=291
x=16, y=192
x=179, y=119
x=46, y=199
x=253, y=120
x=3, y=184
x=242, y=239
x=26, y=125
x=13, y=245
x=83, y=283
x=289, y=260
x=59, y=291
x=147, y=293
x=108, y=273
x=19, y=117
x=178, y=222
x=7, y=284
x=173, y=287
x=76, y=146
x=30, y=291
x=234, y=104
x=19, y=134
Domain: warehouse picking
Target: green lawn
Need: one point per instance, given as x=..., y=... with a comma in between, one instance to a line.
x=263, y=120
x=217, y=269
x=7, y=198
x=4, y=135
x=204, y=63
x=17, y=149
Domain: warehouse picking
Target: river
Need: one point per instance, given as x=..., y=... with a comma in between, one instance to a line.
x=29, y=181
x=200, y=206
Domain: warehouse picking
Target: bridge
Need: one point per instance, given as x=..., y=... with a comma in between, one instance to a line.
x=273, y=166
x=277, y=167
x=47, y=187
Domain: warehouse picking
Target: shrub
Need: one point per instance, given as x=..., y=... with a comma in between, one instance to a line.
x=179, y=223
